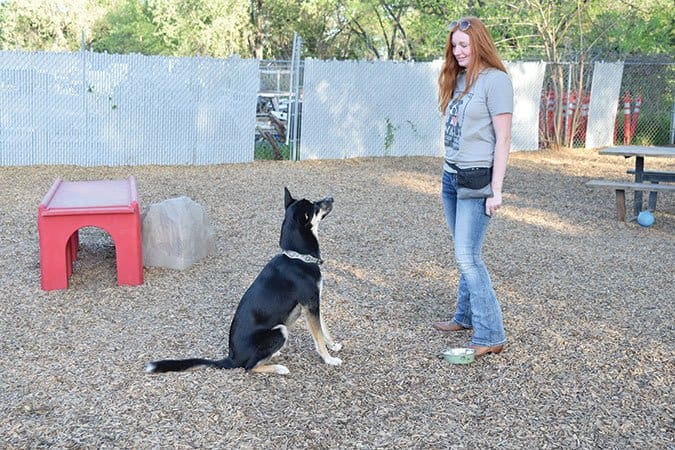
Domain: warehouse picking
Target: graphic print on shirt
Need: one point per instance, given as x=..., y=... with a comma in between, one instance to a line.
x=453, y=124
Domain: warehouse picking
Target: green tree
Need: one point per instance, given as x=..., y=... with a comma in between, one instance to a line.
x=427, y=27
x=129, y=28
x=203, y=27
x=632, y=28
x=55, y=25
x=314, y=20
x=553, y=30
x=175, y=27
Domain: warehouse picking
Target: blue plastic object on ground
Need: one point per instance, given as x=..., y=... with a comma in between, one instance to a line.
x=645, y=218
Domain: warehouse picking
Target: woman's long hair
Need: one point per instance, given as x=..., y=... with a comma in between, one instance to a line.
x=483, y=55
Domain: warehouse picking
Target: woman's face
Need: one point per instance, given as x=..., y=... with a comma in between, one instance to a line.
x=461, y=48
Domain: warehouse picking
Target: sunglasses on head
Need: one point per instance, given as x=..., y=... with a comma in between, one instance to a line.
x=462, y=24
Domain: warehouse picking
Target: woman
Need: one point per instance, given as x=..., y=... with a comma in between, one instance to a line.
x=476, y=97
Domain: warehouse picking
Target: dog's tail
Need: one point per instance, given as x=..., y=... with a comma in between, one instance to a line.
x=178, y=365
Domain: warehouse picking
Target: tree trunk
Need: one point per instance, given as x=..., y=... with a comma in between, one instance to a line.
x=258, y=22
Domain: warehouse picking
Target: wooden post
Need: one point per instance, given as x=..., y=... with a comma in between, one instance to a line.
x=621, y=205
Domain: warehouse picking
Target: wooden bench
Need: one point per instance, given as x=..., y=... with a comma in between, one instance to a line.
x=653, y=175
x=620, y=187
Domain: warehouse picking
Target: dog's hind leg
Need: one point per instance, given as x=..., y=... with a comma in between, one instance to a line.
x=268, y=344
x=277, y=369
x=314, y=322
x=293, y=316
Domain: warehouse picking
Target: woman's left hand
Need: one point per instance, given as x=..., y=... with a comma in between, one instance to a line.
x=492, y=204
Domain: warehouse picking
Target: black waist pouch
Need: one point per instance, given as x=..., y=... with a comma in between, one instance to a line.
x=473, y=182
x=473, y=177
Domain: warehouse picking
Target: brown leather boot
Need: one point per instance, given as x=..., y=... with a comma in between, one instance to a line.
x=482, y=351
x=448, y=326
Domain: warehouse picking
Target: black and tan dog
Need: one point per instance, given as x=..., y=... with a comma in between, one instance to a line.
x=290, y=284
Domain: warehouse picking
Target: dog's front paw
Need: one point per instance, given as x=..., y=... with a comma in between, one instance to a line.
x=335, y=346
x=332, y=361
x=280, y=370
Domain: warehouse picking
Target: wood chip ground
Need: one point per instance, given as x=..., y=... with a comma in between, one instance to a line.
x=588, y=308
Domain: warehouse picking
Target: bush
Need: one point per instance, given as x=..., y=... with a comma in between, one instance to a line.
x=263, y=151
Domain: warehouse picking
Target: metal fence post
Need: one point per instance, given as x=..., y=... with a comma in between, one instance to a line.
x=567, y=111
x=293, y=123
x=672, y=125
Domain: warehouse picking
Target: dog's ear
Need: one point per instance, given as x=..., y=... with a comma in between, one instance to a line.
x=288, y=200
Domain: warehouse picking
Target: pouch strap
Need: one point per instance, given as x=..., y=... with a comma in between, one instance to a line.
x=453, y=167
x=458, y=169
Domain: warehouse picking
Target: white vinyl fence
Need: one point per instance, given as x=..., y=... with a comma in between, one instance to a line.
x=358, y=108
x=528, y=80
x=386, y=108
x=605, y=91
x=98, y=109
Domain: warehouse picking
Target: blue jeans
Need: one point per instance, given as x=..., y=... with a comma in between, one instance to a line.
x=477, y=304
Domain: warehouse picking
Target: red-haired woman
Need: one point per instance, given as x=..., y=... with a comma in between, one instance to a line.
x=476, y=98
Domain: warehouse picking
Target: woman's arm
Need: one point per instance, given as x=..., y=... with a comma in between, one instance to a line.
x=502, y=126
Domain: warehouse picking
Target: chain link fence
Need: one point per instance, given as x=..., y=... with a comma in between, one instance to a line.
x=274, y=109
x=648, y=90
x=647, y=86
x=91, y=109
x=643, y=114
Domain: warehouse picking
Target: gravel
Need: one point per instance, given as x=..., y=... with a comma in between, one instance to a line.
x=587, y=301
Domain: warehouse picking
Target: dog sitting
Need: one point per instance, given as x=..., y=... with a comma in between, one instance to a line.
x=290, y=284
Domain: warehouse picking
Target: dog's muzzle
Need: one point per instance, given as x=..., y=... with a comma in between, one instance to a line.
x=325, y=205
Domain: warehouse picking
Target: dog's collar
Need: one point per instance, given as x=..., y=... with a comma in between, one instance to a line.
x=305, y=258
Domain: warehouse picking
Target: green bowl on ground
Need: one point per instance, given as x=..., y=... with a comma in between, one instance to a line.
x=460, y=355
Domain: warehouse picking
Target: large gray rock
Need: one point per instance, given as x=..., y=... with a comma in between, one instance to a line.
x=176, y=234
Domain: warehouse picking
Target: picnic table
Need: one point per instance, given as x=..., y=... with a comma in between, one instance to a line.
x=644, y=180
